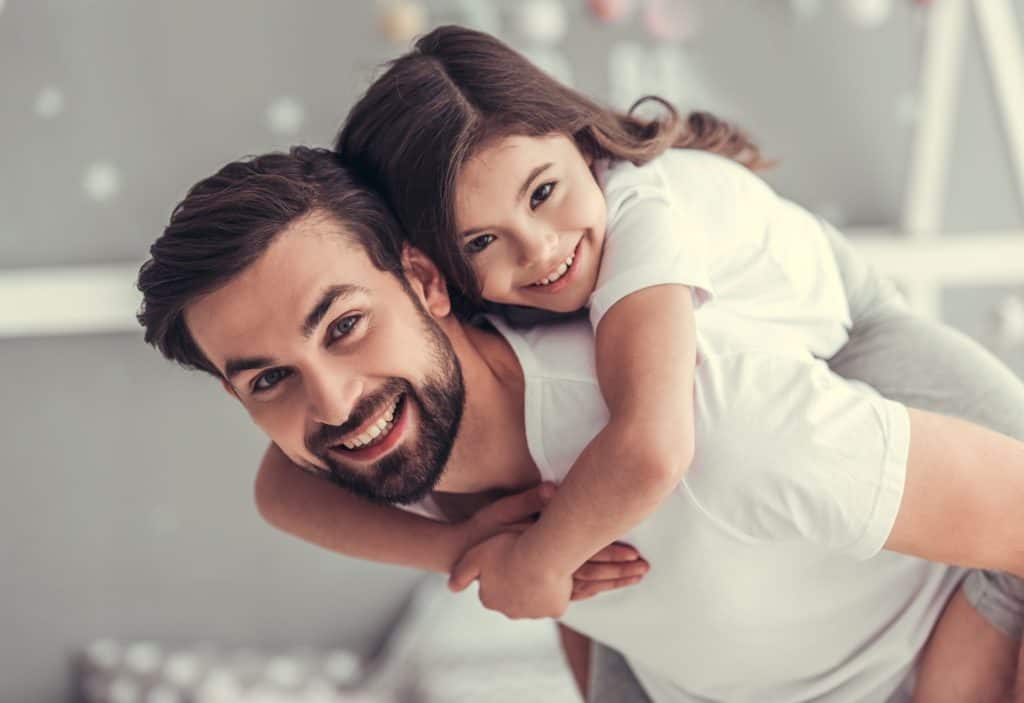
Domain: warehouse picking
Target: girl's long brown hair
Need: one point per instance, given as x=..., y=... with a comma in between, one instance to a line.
x=436, y=106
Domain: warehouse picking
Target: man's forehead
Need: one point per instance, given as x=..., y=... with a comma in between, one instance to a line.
x=309, y=265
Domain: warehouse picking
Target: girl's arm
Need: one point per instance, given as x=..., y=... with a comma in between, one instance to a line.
x=328, y=516
x=312, y=509
x=646, y=354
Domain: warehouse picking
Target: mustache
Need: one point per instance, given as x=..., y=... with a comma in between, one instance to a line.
x=328, y=435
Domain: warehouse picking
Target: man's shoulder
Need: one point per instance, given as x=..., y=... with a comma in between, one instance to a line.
x=553, y=351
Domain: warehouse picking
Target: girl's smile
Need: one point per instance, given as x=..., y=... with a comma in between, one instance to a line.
x=560, y=277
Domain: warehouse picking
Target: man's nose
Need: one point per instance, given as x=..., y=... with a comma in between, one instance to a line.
x=332, y=399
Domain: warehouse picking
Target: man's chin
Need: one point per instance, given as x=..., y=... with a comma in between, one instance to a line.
x=395, y=480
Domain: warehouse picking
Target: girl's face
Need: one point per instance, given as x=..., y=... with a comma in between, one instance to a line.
x=531, y=218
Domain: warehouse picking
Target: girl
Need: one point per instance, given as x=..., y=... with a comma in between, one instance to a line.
x=528, y=194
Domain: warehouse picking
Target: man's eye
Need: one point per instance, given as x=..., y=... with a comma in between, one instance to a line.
x=268, y=379
x=542, y=193
x=344, y=326
x=478, y=244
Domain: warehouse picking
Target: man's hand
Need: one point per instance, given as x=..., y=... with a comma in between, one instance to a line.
x=508, y=584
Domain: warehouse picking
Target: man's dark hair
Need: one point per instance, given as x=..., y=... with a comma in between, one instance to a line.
x=227, y=221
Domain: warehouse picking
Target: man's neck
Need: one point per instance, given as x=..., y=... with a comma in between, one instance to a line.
x=490, y=452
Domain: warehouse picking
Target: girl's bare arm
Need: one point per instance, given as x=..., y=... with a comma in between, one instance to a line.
x=646, y=355
x=320, y=512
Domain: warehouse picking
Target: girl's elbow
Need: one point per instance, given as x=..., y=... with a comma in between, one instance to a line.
x=668, y=463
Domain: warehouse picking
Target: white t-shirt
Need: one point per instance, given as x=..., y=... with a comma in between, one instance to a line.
x=756, y=262
x=767, y=582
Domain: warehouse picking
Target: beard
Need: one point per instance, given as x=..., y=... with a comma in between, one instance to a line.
x=409, y=472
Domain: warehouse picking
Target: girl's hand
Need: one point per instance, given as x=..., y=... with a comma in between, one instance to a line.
x=508, y=584
x=514, y=512
x=516, y=592
x=616, y=566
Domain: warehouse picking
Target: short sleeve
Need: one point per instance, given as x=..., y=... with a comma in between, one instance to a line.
x=648, y=241
x=787, y=451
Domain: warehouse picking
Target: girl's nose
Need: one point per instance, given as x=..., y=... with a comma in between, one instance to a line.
x=538, y=248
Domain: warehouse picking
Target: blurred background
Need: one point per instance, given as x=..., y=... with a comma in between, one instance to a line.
x=133, y=565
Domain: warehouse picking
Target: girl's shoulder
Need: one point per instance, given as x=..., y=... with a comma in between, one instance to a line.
x=681, y=175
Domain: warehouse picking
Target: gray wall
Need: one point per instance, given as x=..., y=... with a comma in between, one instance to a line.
x=126, y=510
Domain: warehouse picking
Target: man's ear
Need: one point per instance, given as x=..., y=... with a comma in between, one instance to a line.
x=426, y=281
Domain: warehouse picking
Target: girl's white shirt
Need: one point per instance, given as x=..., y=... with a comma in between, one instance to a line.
x=759, y=265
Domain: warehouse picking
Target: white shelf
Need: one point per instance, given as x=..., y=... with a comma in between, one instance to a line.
x=102, y=299
x=69, y=300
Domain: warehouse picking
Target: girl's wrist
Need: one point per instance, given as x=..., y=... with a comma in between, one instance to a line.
x=456, y=539
x=544, y=564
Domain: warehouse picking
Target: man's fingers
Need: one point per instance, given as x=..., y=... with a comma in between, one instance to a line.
x=520, y=506
x=608, y=571
x=581, y=590
x=616, y=551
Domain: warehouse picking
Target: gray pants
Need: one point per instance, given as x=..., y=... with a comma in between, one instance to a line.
x=924, y=365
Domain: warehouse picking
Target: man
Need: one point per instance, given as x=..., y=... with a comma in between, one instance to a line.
x=287, y=281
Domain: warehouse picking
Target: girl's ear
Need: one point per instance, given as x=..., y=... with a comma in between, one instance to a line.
x=427, y=281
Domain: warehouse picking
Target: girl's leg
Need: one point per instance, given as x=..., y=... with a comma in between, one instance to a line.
x=930, y=366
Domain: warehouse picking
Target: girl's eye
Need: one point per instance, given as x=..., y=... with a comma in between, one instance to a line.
x=542, y=193
x=343, y=327
x=478, y=244
x=268, y=379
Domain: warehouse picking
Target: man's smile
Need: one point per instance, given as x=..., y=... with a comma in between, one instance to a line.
x=378, y=435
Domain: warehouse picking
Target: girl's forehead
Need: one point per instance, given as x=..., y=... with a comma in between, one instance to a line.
x=507, y=158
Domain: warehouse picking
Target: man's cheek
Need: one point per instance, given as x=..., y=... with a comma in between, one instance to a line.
x=285, y=432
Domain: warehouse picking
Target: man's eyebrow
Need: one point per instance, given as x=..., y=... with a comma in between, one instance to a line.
x=519, y=196
x=327, y=298
x=237, y=365
x=233, y=367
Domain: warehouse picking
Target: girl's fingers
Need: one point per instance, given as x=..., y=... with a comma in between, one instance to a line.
x=581, y=590
x=608, y=571
x=616, y=552
x=518, y=507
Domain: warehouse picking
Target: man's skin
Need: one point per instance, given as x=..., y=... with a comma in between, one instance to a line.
x=262, y=311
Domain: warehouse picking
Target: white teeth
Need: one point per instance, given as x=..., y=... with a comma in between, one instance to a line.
x=557, y=273
x=376, y=430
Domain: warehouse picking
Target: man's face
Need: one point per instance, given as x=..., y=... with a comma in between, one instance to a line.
x=337, y=362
